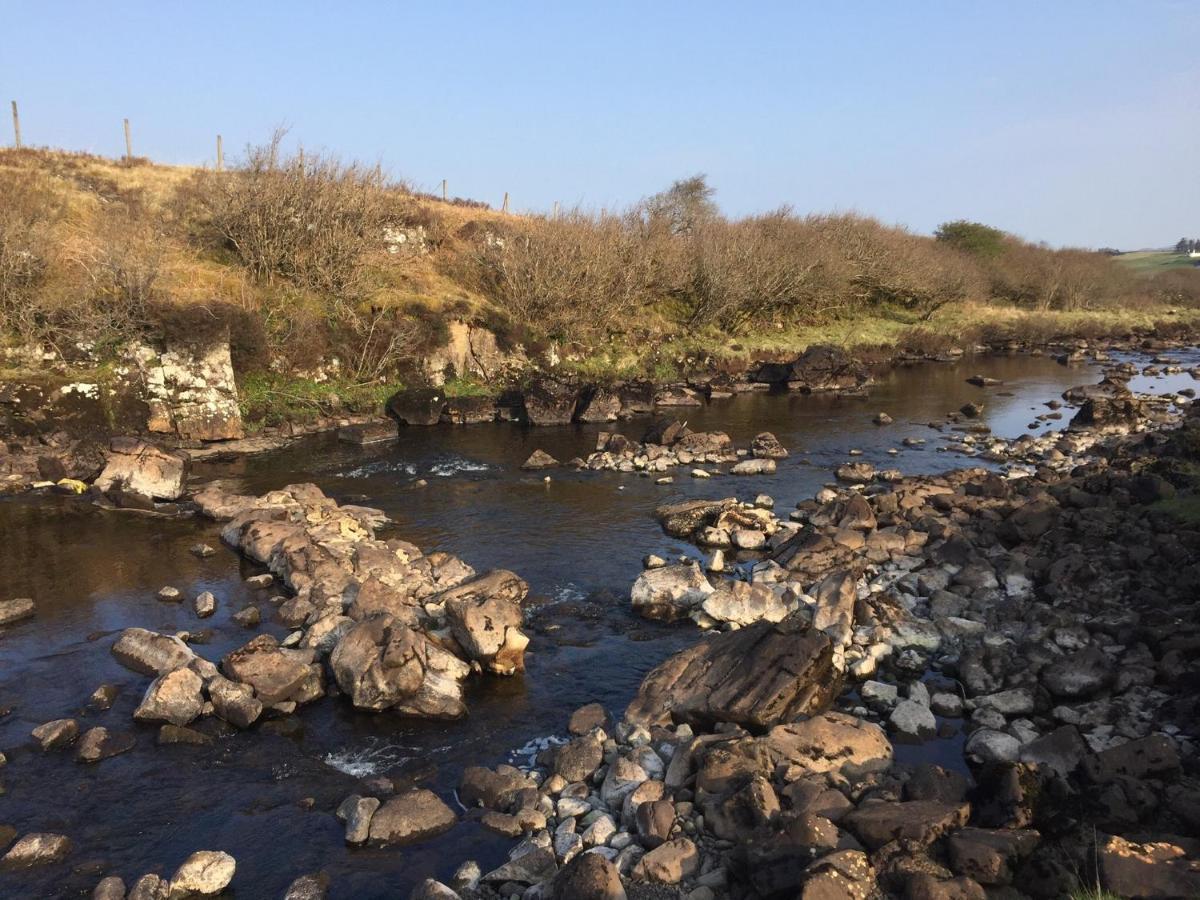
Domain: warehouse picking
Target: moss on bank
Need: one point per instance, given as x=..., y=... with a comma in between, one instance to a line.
x=270, y=399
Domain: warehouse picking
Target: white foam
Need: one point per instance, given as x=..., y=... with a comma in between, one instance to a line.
x=457, y=465
x=370, y=760
x=526, y=755
x=382, y=467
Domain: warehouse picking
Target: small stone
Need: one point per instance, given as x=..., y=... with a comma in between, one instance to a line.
x=15, y=610
x=99, y=743
x=56, y=734
x=205, y=872
x=169, y=594
x=37, y=849
x=205, y=604
x=203, y=550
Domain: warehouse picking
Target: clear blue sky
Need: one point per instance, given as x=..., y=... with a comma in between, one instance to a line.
x=1067, y=121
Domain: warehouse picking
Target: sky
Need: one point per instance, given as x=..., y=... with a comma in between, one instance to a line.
x=1075, y=123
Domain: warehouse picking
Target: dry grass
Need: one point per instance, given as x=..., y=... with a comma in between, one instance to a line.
x=291, y=255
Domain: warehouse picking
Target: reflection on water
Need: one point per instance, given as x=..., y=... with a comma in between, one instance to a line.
x=578, y=539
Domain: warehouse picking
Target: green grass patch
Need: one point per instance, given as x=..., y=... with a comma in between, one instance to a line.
x=1184, y=509
x=1151, y=262
x=1093, y=893
x=270, y=399
x=457, y=388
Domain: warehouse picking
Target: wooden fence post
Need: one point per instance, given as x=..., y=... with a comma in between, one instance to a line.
x=128, y=143
x=16, y=125
x=556, y=209
x=220, y=155
x=504, y=208
x=443, y=190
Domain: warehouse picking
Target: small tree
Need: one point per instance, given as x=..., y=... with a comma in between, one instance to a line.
x=972, y=237
x=684, y=206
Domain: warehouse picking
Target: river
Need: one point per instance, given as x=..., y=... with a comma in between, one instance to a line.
x=267, y=795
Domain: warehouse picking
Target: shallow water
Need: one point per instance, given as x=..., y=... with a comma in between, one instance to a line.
x=578, y=540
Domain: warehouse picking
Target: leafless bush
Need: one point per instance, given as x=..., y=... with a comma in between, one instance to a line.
x=117, y=276
x=374, y=340
x=307, y=219
x=28, y=214
x=573, y=276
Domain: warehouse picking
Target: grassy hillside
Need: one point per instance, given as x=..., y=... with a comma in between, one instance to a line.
x=331, y=279
x=1151, y=261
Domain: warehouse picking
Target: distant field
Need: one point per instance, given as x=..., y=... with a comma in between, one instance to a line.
x=1153, y=261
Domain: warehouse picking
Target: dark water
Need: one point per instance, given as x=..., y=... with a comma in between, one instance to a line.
x=268, y=798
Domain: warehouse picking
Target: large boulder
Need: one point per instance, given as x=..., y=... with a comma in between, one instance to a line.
x=174, y=698
x=381, y=664
x=140, y=467
x=831, y=742
x=419, y=406
x=36, y=849
x=276, y=674
x=757, y=676
x=823, y=367
x=589, y=876
x=687, y=517
x=744, y=603
x=485, y=617
x=1152, y=869
x=670, y=593
x=550, y=401
x=413, y=816
x=922, y=822
x=205, y=873
x=150, y=653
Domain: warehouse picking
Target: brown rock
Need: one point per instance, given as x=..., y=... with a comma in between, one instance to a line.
x=670, y=863
x=920, y=821
x=413, y=816
x=757, y=676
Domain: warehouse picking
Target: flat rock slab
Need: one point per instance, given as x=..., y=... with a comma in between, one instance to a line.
x=922, y=821
x=757, y=676
x=411, y=817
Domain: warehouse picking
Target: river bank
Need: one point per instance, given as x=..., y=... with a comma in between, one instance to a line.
x=586, y=529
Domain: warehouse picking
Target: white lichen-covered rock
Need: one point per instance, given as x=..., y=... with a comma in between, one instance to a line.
x=191, y=390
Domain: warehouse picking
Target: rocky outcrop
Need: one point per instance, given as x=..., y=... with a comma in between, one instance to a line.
x=820, y=368
x=401, y=630
x=190, y=390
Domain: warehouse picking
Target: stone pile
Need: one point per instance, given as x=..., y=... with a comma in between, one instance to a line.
x=667, y=445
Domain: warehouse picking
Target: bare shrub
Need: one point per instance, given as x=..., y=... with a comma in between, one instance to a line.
x=117, y=273
x=308, y=219
x=28, y=215
x=570, y=277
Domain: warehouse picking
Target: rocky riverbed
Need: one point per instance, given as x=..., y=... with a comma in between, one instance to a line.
x=860, y=616
x=1048, y=615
